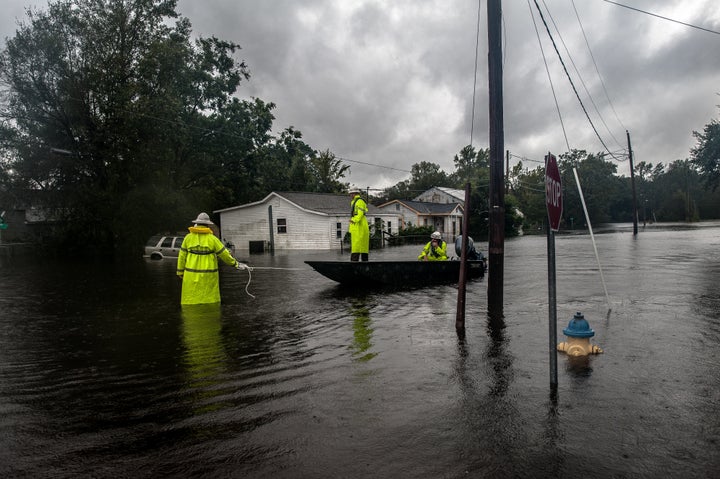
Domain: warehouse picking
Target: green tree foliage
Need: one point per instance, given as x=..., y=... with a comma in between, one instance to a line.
x=425, y=175
x=326, y=171
x=599, y=185
x=114, y=116
x=706, y=155
x=527, y=187
x=128, y=102
x=471, y=167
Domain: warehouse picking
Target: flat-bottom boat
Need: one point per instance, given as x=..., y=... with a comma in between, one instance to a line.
x=369, y=274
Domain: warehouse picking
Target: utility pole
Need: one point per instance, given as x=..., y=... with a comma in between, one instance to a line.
x=496, y=246
x=632, y=181
x=507, y=172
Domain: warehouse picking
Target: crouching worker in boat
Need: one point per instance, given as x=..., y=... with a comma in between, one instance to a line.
x=359, y=229
x=197, y=264
x=435, y=250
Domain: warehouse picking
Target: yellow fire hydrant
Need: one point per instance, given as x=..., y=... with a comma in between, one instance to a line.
x=578, y=333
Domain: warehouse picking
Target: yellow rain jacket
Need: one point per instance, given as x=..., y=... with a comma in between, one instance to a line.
x=359, y=229
x=438, y=253
x=198, y=266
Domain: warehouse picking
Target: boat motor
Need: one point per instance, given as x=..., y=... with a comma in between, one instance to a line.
x=470, y=252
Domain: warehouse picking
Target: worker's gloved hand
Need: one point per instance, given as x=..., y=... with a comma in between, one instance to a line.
x=240, y=265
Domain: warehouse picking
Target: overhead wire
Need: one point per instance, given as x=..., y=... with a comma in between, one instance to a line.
x=597, y=70
x=664, y=18
x=577, y=72
x=547, y=70
x=577, y=95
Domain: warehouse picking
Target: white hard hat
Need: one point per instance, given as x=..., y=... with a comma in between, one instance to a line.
x=354, y=190
x=436, y=235
x=203, y=219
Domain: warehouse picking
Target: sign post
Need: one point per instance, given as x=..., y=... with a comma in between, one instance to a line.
x=553, y=201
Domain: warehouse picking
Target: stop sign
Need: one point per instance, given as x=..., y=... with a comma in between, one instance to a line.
x=553, y=192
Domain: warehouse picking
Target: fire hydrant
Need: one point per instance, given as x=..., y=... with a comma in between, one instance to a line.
x=579, y=334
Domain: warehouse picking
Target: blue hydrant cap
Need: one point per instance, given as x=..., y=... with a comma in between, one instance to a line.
x=578, y=327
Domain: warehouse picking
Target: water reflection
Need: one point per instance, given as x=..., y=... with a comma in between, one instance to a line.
x=492, y=418
x=496, y=353
x=362, y=330
x=578, y=367
x=204, y=354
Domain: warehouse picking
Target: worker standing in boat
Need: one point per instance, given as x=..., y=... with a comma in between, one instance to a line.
x=435, y=250
x=198, y=263
x=359, y=229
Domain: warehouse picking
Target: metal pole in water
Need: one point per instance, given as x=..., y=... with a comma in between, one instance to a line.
x=460, y=313
x=592, y=237
x=632, y=181
x=552, y=302
x=271, y=228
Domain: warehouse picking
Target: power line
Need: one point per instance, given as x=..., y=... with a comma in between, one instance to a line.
x=577, y=95
x=577, y=71
x=547, y=70
x=664, y=18
x=373, y=164
x=612, y=107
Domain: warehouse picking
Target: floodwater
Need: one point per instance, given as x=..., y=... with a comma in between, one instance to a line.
x=102, y=374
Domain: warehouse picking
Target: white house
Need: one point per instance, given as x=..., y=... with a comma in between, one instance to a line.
x=443, y=217
x=439, y=194
x=295, y=221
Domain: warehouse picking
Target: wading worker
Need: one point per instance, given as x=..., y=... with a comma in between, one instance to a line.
x=435, y=250
x=198, y=263
x=359, y=229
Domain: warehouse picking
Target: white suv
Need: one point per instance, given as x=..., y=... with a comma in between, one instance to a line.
x=159, y=247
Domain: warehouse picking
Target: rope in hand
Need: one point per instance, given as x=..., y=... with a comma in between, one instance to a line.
x=250, y=268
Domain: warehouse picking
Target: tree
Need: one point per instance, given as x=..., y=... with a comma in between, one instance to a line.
x=528, y=189
x=598, y=181
x=144, y=119
x=471, y=167
x=425, y=175
x=706, y=155
x=327, y=171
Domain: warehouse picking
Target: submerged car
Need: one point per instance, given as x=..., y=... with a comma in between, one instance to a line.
x=159, y=246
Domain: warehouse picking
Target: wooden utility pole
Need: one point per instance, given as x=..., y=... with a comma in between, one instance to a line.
x=632, y=181
x=496, y=246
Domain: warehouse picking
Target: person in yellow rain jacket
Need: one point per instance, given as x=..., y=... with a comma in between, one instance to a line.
x=198, y=263
x=359, y=229
x=435, y=250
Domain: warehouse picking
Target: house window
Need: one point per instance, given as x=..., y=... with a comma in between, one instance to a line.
x=281, y=225
x=338, y=230
x=397, y=206
x=390, y=227
x=425, y=222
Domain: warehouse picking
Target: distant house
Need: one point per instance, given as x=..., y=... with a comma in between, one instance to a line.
x=294, y=221
x=443, y=217
x=439, y=194
x=28, y=225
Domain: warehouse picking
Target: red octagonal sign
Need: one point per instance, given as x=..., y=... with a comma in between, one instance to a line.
x=553, y=192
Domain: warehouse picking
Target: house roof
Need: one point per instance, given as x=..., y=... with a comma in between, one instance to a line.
x=425, y=208
x=325, y=203
x=455, y=193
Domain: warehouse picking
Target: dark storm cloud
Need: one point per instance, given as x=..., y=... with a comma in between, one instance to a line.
x=391, y=82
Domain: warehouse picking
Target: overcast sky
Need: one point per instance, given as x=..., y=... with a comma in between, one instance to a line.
x=385, y=84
